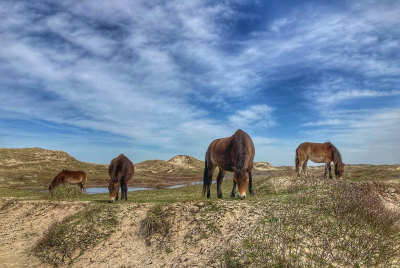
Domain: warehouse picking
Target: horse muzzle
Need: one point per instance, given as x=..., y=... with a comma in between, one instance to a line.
x=111, y=200
x=242, y=196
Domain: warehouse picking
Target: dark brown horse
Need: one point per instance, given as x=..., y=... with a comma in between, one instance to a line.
x=71, y=177
x=319, y=153
x=235, y=154
x=121, y=171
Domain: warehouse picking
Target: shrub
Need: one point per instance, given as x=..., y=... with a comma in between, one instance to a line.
x=65, y=191
x=69, y=239
x=155, y=221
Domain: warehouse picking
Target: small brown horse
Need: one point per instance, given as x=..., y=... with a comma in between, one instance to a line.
x=71, y=177
x=235, y=154
x=319, y=153
x=121, y=171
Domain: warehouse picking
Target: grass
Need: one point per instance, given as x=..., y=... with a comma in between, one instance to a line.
x=340, y=224
x=303, y=222
x=66, y=241
x=66, y=192
x=156, y=221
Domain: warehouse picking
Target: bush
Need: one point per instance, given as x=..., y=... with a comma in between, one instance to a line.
x=155, y=221
x=78, y=233
x=65, y=191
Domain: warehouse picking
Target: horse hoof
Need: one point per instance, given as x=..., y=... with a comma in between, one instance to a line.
x=232, y=196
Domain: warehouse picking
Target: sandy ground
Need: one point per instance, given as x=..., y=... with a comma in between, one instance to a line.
x=23, y=223
x=196, y=236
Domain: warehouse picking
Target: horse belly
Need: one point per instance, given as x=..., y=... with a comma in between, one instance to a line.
x=317, y=158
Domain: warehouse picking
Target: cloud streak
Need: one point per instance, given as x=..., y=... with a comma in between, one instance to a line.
x=172, y=76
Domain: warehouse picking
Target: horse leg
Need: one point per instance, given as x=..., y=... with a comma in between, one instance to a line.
x=126, y=191
x=122, y=190
x=251, y=184
x=209, y=179
x=233, y=189
x=329, y=169
x=220, y=177
x=305, y=168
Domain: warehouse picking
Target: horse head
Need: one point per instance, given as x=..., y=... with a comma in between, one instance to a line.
x=241, y=177
x=113, y=188
x=339, y=170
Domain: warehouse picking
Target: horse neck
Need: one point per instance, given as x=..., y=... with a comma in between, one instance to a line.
x=337, y=159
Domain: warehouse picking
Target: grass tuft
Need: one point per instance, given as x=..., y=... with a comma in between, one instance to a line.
x=66, y=241
x=65, y=192
x=155, y=221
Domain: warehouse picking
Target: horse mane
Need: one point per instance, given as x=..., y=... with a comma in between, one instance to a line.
x=336, y=157
x=241, y=171
x=119, y=164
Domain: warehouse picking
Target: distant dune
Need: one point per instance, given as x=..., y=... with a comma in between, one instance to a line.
x=34, y=168
x=263, y=166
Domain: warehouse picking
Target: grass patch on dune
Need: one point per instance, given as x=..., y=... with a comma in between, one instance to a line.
x=66, y=192
x=156, y=221
x=66, y=241
x=342, y=224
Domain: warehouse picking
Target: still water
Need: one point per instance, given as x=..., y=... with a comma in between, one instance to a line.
x=102, y=190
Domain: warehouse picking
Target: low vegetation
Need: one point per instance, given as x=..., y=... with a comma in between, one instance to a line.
x=156, y=221
x=339, y=224
x=290, y=222
x=66, y=192
x=71, y=238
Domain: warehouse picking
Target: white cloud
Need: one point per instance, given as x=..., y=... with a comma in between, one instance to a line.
x=254, y=116
x=340, y=96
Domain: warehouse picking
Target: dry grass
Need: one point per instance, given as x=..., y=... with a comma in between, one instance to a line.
x=66, y=241
x=66, y=192
x=341, y=224
x=156, y=221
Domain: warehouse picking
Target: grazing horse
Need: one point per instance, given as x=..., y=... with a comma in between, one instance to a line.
x=121, y=171
x=71, y=177
x=234, y=154
x=319, y=153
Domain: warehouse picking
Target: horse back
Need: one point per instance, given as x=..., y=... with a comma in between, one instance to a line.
x=225, y=152
x=316, y=152
x=122, y=162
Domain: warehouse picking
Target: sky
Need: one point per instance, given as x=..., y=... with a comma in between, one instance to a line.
x=154, y=79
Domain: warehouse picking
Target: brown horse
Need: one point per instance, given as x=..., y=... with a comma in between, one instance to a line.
x=319, y=153
x=71, y=177
x=121, y=171
x=235, y=154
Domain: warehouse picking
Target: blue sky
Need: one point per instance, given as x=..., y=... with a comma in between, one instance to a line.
x=153, y=79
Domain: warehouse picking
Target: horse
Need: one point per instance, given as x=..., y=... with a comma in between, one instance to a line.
x=319, y=153
x=121, y=171
x=71, y=177
x=233, y=154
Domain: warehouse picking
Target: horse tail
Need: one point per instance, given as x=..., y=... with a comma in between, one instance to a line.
x=297, y=161
x=205, y=179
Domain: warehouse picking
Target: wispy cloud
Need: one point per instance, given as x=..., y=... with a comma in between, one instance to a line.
x=175, y=75
x=254, y=116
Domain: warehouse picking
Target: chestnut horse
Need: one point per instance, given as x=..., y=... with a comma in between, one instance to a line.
x=319, y=153
x=121, y=171
x=71, y=177
x=234, y=154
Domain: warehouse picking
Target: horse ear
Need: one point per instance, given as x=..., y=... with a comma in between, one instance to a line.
x=107, y=180
x=249, y=169
x=234, y=169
